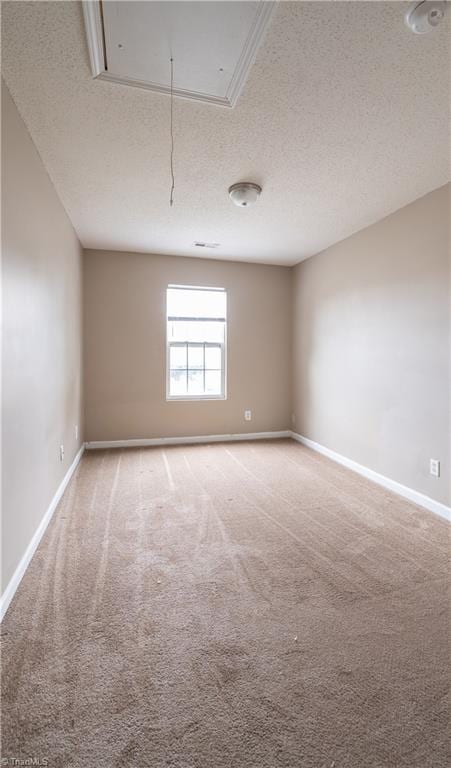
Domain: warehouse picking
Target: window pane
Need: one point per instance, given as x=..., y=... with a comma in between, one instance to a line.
x=213, y=383
x=197, y=342
x=177, y=383
x=195, y=357
x=195, y=331
x=183, y=302
x=213, y=357
x=195, y=382
x=177, y=357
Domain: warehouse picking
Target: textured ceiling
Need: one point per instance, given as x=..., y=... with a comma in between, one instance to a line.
x=343, y=119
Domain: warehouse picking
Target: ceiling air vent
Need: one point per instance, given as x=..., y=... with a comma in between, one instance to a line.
x=200, y=244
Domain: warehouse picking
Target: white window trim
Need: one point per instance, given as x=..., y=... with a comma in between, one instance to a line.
x=222, y=345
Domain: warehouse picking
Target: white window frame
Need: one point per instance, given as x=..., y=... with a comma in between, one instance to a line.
x=222, y=345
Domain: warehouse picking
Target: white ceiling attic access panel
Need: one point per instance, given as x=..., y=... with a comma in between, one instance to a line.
x=213, y=45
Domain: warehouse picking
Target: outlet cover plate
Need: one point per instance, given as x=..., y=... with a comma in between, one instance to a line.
x=434, y=467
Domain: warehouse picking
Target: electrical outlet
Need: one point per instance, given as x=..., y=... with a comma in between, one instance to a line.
x=434, y=467
x=76, y=431
x=61, y=452
x=248, y=415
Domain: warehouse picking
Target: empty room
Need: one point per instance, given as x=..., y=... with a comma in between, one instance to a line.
x=226, y=390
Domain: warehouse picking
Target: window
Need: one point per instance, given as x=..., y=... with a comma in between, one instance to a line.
x=196, y=334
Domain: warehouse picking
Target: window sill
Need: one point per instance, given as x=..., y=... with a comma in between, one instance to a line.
x=189, y=399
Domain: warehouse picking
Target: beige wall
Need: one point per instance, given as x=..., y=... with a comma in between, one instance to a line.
x=371, y=346
x=125, y=347
x=41, y=337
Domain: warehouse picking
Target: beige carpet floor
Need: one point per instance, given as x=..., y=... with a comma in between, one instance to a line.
x=245, y=605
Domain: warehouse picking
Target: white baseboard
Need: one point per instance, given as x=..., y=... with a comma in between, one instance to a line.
x=186, y=440
x=10, y=590
x=402, y=490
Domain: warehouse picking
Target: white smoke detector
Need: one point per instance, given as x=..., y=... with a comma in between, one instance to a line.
x=245, y=193
x=425, y=16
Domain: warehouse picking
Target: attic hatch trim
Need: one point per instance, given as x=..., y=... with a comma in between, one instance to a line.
x=93, y=18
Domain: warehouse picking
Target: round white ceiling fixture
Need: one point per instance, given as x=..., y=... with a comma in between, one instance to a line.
x=425, y=16
x=245, y=193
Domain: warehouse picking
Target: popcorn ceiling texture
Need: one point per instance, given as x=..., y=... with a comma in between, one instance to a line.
x=230, y=606
x=343, y=119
